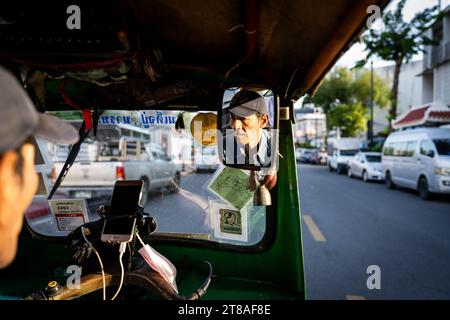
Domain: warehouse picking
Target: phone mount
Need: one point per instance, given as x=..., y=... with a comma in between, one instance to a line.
x=144, y=222
x=139, y=273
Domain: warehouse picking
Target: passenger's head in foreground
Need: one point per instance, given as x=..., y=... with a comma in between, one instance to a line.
x=20, y=123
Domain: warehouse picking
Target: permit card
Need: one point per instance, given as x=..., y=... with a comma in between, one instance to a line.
x=230, y=221
x=227, y=222
x=230, y=184
x=69, y=213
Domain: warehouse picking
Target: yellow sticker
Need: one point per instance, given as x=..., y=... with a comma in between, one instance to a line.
x=203, y=128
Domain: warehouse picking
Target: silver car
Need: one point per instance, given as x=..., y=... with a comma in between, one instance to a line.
x=366, y=165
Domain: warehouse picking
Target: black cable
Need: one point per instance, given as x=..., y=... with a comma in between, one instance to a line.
x=132, y=249
x=200, y=292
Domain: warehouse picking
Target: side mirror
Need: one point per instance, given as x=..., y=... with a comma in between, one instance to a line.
x=248, y=136
x=430, y=153
x=248, y=127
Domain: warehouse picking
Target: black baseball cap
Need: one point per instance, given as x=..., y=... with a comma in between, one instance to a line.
x=20, y=119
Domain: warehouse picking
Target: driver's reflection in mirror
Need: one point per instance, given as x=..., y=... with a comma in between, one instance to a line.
x=249, y=116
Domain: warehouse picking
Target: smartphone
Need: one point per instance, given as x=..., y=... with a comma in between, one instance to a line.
x=121, y=220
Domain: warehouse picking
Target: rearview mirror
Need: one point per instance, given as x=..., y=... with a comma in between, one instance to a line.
x=430, y=153
x=248, y=138
x=249, y=129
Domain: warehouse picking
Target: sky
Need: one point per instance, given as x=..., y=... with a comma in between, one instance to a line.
x=356, y=52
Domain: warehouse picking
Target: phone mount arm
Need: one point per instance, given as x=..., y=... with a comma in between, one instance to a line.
x=144, y=222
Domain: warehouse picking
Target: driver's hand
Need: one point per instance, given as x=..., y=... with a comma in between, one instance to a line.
x=270, y=181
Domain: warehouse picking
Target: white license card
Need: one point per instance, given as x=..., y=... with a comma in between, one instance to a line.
x=69, y=213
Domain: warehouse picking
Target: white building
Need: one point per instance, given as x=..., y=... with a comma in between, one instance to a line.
x=410, y=91
x=436, y=65
x=310, y=125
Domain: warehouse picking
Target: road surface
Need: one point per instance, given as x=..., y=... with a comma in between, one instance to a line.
x=349, y=225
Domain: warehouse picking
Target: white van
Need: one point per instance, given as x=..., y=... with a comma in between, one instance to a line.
x=340, y=152
x=206, y=159
x=418, y=159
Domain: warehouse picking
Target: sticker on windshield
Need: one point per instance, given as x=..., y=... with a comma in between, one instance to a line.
x=230, y=221
x=69, y=213
x=231, y=185
x=138, y=118
x=227, y=222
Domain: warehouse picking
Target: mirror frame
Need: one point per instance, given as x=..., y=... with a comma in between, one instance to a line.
x=276, y=123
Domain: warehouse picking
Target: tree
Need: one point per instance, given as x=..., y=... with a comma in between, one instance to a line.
x=345, y=99
x=399, y=41
x=351, y=118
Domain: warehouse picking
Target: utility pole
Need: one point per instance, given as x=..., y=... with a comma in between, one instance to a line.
x=315, y=130
x=371, y=104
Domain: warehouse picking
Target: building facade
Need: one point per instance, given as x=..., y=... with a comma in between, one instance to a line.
x=434, y=109
x=410, y=91
x=310, y=125
x=436, y=65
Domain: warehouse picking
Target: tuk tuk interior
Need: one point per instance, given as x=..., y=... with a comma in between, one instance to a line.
x=177, y=57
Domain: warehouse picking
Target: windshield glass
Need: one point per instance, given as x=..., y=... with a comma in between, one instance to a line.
x=442, y=146
x=348, y=152
x=186, y=189
x=372, y=158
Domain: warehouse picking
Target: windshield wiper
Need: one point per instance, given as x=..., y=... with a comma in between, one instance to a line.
x=76, y=149
x=70, y=159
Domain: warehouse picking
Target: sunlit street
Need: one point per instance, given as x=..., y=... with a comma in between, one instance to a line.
x=366, y=224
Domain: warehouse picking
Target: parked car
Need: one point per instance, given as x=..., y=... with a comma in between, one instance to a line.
x=131, y=160
x=418, y=159
x=298, y=154
x=304, y=155
x=366, y=165
x=319, y=157
x=340, y=152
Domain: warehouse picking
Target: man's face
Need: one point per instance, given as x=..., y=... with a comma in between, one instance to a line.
x=16, y=193
x=248, y=130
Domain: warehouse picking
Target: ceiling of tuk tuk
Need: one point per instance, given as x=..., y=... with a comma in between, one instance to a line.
x=135, y=54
